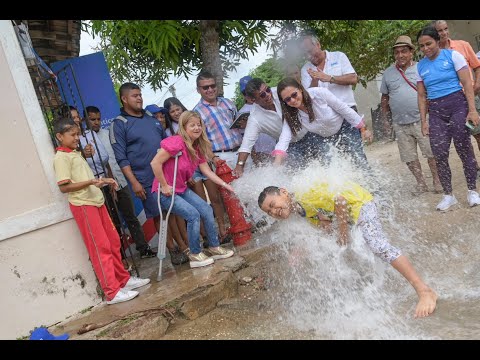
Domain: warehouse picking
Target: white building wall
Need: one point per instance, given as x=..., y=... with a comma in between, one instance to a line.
x=46, y=274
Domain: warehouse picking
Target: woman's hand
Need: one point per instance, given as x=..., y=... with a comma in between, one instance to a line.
x=367, y=136
x=166, y=190
x=473, y=117
x=228, y=187
x=278, y=160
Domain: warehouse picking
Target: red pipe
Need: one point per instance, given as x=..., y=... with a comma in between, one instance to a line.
x=240, y=228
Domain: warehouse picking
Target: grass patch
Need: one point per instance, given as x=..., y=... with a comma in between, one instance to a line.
x=86, y=310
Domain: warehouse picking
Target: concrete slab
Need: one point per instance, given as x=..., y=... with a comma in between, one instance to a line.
x=188, y=293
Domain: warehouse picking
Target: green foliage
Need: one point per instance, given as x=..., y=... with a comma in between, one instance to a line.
x=271, y=71
x=116, y=87
x=367, y=43
x=149, y=51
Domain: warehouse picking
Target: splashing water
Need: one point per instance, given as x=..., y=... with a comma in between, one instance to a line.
x=348, y=293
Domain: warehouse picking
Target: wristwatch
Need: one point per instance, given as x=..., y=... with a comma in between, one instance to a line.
x=332, y=79
x=241, y=163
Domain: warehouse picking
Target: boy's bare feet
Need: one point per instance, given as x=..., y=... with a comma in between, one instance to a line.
x=427, y=301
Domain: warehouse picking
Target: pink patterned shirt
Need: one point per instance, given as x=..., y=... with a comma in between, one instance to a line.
x=186, y=166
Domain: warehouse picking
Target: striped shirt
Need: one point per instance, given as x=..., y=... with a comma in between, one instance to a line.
x=217, y=120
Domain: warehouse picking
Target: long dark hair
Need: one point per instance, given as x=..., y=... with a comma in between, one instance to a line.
x=167, y=104
x=290, y=114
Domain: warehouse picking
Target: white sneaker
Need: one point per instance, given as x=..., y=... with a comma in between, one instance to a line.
x=122, y=296
x=135, y=282
x=447, y=202
x=473, y=198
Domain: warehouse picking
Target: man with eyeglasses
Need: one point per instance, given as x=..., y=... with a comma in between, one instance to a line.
x=218, y=113
x=266, y=118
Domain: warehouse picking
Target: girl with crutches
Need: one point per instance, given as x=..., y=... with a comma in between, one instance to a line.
x=192, y=141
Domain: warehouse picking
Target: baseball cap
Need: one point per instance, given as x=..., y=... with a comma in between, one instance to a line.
x=155, y=109
x=243, y=83
x=42, y=333
x=404, y=40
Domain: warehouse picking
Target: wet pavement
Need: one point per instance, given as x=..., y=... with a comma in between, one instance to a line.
x=183, y=293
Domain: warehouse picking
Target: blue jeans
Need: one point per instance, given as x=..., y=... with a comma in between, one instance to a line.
x=192, y=207
x=349, y=141
x=308, y=148
x=150, y=204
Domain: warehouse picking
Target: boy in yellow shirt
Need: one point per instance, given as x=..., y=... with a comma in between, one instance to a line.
x=74, y=176
x=347, y=204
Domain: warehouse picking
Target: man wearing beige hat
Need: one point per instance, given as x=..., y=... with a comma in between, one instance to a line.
x=399, y=96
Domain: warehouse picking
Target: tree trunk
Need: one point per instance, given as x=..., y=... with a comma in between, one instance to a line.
x=210, y=51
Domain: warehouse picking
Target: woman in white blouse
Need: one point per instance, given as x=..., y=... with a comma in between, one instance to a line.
x=320, y=112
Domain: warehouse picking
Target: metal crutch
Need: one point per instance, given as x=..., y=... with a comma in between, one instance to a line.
x=162, y=233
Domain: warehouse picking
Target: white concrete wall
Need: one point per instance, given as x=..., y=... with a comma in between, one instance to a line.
x=368, y=98
x=46, y=274
x=465, y=30
x=46, y=277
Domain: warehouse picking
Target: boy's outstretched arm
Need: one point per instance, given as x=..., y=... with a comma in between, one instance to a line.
x=341, y=214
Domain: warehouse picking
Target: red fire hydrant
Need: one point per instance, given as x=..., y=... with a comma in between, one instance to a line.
x=240, y=228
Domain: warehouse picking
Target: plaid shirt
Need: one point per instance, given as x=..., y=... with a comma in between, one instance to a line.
x=217, y=120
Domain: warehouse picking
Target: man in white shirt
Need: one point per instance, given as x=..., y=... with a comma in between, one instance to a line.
x=266, y=117
x=265, y=144
x=328, y=69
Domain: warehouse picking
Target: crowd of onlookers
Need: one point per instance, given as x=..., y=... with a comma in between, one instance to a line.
x=312, y=109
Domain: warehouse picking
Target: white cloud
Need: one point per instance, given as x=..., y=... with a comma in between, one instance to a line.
x=186, y=89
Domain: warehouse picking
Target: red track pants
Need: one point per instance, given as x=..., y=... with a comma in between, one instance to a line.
x=103, y=246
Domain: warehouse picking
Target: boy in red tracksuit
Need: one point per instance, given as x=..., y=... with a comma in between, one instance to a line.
x=74, y=176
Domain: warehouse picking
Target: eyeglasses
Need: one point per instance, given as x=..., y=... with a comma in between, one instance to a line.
x=292, y=96
x=206, y=87
x=263, y=94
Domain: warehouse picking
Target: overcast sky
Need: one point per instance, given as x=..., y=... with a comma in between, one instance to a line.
x=186, y=89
